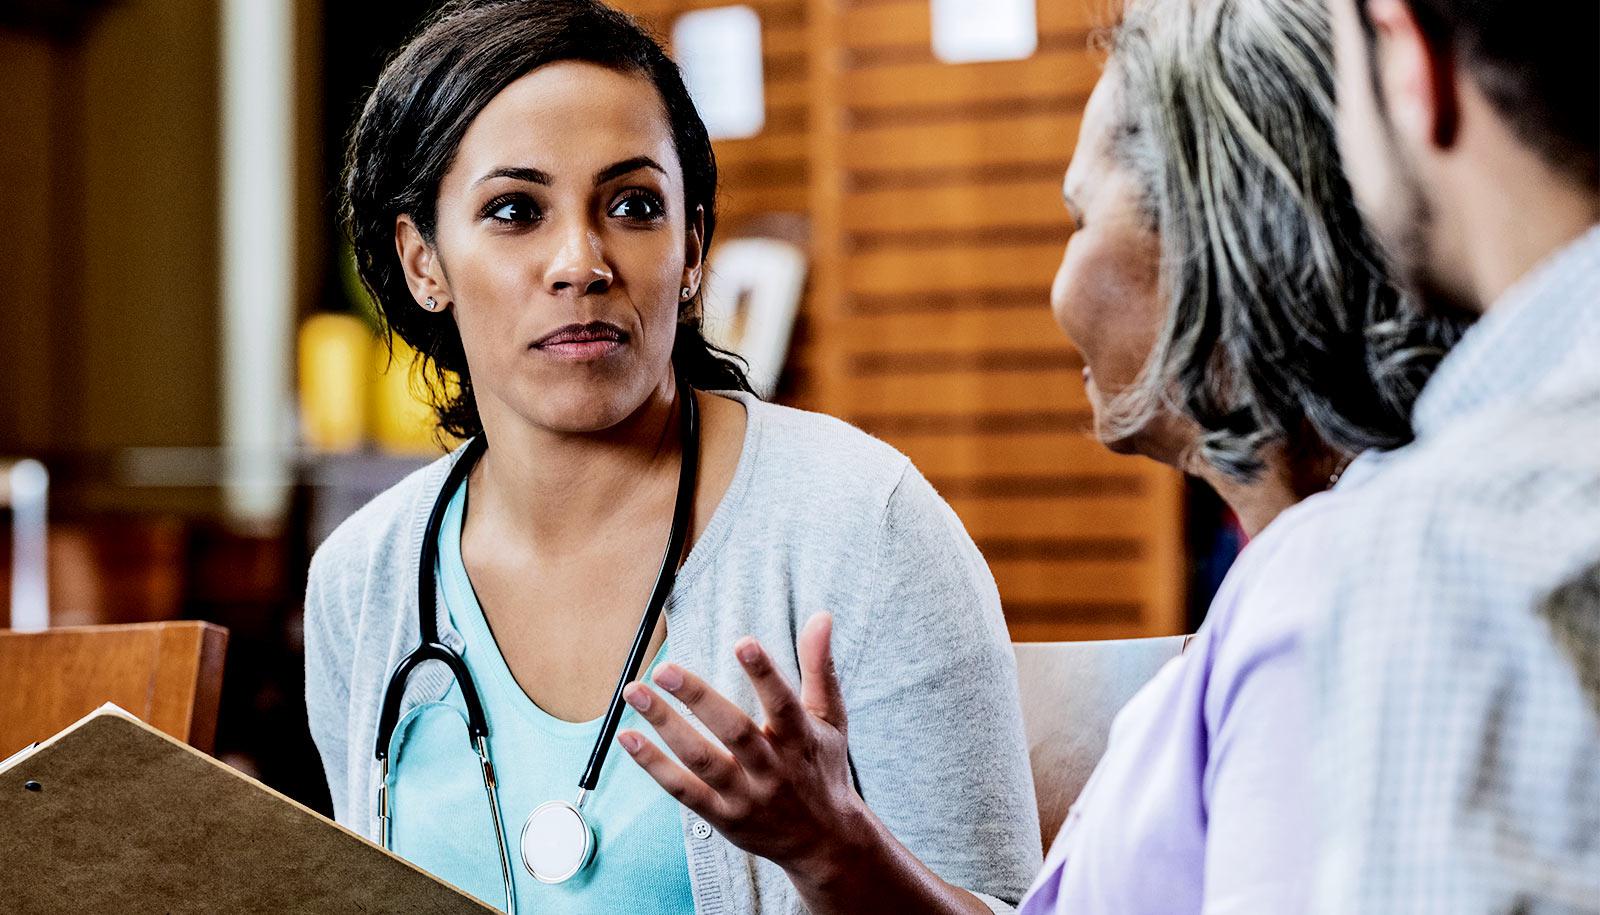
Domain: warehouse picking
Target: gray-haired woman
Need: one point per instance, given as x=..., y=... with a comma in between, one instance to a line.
x=1235, y=323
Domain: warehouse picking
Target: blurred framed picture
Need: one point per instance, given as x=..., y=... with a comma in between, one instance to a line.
x=751, y=299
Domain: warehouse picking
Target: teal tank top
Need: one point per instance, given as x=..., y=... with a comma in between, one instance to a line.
x=441, y=812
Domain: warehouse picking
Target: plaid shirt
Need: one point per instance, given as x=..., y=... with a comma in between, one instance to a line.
x=1456, y=681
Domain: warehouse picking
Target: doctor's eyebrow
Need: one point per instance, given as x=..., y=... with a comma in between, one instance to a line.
x=518, y=172
x=537, y=176
x=619, y=169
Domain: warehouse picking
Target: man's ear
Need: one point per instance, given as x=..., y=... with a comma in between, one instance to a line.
x=1417, y=75
x=420, y=261
x=694, y=249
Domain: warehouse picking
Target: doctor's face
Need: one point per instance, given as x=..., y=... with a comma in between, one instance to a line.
x=562, y=244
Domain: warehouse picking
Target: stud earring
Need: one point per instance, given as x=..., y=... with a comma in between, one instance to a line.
x=431, y=304
x=684, y=293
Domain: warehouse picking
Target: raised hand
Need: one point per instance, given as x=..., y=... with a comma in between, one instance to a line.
x=781, y=789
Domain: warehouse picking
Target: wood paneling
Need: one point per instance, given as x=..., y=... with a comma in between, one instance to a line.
x=956, y=331
x=933, y=192
x=968, y=206
x=898, y=86
x=911, y=264
x=962, y=393
x=936, y=194
x=771, y=172
x=908, y=25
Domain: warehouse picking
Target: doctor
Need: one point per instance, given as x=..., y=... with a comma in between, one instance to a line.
x=531, y=195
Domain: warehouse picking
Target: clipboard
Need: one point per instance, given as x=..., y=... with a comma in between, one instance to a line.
x=111, y=815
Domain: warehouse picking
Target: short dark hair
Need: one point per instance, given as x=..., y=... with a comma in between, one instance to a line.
x=412, y=124
x=1539, y=65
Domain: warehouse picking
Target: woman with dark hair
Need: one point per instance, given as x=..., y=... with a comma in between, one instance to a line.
x=1235, y=323
x=531, y=195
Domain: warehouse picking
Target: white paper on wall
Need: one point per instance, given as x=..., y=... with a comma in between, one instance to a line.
x=969, y=31
x=719, y=52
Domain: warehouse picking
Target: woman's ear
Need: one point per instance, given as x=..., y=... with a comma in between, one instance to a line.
x=694, y=250
x=420, y=261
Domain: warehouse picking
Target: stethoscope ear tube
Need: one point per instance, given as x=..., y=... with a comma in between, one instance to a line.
x=432, y=648
x=389, y=718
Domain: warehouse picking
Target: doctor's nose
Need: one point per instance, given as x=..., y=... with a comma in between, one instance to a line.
x=579, y=265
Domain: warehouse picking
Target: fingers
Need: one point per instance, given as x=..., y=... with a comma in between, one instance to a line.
x=820, y=693
x=785, y=715
x=688, y=790
x=737, y=731
x=711, y=763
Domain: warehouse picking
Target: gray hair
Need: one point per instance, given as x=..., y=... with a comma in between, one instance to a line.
x=1281, y=324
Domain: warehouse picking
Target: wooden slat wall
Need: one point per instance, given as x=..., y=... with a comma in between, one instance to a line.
x=934, y=196
x=767, y=173
x=936, y=193
x=771, y=172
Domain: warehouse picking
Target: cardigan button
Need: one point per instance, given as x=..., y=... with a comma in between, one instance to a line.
x=701, y=829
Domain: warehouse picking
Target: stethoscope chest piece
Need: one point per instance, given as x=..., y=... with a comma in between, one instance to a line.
x=556, y=842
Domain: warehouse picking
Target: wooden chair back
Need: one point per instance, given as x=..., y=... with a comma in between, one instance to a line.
x=1071, y=691
x=168, y=674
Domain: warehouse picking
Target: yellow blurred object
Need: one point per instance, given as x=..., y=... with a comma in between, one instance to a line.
x=402, y=419
x=335, y=372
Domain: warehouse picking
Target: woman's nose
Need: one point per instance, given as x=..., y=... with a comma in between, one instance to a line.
x=579, y=263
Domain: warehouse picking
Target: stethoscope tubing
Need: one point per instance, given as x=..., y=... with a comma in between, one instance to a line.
x=682, y=511
x=432, y=648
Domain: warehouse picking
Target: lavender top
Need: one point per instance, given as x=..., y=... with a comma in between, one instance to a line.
x=1203, y=801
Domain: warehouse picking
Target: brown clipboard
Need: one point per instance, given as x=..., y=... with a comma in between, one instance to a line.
x=111, y=815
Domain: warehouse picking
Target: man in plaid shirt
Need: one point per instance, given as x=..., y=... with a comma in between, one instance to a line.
x=1457, y=648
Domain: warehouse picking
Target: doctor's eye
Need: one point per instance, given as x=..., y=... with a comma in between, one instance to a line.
x=512, y=208
x=638, y=206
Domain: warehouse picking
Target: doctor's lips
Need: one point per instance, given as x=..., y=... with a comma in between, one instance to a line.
x=582, y=342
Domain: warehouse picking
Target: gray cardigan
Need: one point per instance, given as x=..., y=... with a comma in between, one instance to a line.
x=819, y=516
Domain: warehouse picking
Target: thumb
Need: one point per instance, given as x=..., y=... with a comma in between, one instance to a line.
x=819, y=682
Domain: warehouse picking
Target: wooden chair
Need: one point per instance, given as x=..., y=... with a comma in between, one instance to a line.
x=168, y=674
x=1071, y=691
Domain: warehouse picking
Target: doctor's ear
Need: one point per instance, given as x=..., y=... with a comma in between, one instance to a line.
x=420, y=261
x=694, y=250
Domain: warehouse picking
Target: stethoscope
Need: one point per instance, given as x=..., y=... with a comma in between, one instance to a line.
x=557, y=841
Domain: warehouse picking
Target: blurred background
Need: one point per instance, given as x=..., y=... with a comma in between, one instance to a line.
x=194, y=393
